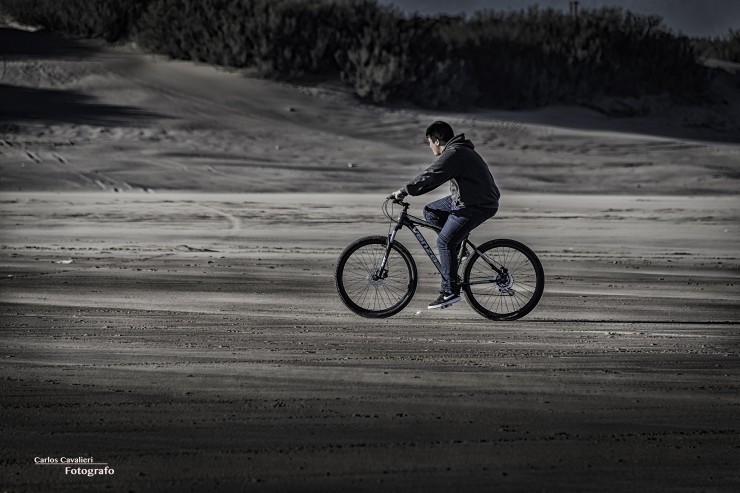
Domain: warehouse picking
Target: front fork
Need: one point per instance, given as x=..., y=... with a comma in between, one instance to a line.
x=382, y=271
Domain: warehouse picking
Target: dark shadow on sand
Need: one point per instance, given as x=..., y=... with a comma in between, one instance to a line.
x=53, y=106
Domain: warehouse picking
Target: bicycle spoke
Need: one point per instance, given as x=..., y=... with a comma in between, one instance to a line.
x=362, y=284
x=507, y=294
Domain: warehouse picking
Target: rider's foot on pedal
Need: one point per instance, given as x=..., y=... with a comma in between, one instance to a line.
x=444, y=300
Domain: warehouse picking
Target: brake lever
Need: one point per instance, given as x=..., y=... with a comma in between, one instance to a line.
x=397, y=201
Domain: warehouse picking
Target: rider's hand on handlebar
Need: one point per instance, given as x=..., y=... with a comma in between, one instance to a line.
x=397, y=195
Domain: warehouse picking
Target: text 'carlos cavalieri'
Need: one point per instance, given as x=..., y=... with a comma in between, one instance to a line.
x=72, y=465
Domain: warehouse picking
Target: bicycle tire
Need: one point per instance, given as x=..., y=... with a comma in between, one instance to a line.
x=504, y=298
x=375, y=298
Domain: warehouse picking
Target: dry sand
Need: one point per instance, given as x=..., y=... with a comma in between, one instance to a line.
x=191, y=338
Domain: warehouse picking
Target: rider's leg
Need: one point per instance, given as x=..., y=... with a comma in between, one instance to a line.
x=458, y=226
x=448, y=241
x=438, y=211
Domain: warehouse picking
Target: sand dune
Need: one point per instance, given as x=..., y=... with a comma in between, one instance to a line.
x=85, y=117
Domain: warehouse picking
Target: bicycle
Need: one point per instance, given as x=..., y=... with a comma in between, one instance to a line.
x=376, y=276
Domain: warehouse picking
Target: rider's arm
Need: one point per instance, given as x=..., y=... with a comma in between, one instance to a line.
x=435, y=175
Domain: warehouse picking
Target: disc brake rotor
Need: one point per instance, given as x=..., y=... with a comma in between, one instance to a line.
x=505, y=284
x=372, y=279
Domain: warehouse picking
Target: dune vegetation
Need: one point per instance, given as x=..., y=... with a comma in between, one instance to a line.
x=521, y=59
x=721, y=48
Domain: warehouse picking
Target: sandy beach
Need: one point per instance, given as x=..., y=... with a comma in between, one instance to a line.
x=169, y=238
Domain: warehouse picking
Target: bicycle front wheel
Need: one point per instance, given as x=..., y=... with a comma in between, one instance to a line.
x=368, y=291
x=509, y=293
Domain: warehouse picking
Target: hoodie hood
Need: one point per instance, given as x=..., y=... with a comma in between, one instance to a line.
x=459, y=140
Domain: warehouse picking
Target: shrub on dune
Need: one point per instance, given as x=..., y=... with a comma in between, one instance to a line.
x=108, y=19
x=526, y=58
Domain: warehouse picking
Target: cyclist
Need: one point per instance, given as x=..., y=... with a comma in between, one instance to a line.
x=473, y=199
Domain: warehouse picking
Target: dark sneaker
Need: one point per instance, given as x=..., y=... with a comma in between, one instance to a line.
x=444, y=300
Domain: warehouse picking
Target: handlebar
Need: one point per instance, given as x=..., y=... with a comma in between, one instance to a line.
x=400, y=202
x=397, y=201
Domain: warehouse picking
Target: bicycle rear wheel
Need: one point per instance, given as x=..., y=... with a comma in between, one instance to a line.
x=360, y=287
x=509, y=295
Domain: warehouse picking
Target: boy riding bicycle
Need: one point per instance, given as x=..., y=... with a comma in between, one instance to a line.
x=474, y=198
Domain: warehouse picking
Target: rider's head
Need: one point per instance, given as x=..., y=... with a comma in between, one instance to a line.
x=438, y=134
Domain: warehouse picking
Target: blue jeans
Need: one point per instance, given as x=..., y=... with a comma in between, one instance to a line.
x=456, y=224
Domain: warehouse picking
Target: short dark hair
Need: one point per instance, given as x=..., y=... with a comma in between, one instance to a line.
x=441, y=131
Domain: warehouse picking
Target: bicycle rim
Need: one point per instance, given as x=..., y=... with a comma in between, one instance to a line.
x=366, y=295
x=509, y=296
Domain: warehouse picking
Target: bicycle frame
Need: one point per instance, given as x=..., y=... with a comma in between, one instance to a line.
x=412, y=223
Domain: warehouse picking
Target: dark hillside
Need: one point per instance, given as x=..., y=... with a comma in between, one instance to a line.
x=525, y=59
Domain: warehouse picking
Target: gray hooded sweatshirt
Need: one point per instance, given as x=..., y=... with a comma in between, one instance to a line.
x=471, y=182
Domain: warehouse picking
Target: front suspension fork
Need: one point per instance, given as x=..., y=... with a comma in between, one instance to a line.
x=382, y=271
